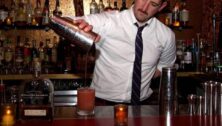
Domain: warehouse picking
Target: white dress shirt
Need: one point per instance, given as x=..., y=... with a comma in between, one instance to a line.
x=112, y=78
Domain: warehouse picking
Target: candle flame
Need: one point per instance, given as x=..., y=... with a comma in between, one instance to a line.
x=121, y=108
x=8, y=112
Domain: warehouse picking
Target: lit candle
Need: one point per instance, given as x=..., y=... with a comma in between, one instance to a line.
x=121, y=114
x=7, y=118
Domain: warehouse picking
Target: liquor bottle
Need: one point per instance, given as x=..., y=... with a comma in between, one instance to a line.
x=108, y=8
x=1, y=50
x=202, y=57
x=195, y=55
x=79, y=9
x=57, y=11
x=115, y=5
x=184, y=14
x=36, y=95
x=19, y=56
x=123, y=7
x=27, y=55
x=176, y=15
x=45, y=13
x=29, y=12
x=48, y=56
x=21, y=14
x=2, y=94
x=101, y=6
x=34, y=50
x=41, y=52
x=8, y=56
x=36, y=67
x=188, y=65
x=68, y=57
x=54, y=50
x=179, y=54
x=8, y=19
x=38, y=13
x=68, y=60
x=93, y=7
x=4, y=11
x=13, y=11
x=61, y=54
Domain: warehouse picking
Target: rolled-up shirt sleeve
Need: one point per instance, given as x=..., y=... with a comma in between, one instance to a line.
x=168, y=55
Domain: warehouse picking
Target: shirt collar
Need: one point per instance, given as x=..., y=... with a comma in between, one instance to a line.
x=134, y=20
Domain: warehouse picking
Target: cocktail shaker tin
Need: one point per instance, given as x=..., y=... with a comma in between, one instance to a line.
x=168, y=104
x=65, y=27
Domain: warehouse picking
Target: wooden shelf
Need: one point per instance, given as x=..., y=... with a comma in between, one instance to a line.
x=5, y=27
x=74, y=76
x=180, y=28
x=50, y=76
x=187, y=74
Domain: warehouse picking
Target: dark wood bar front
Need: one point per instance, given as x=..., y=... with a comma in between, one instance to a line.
x=138, y=116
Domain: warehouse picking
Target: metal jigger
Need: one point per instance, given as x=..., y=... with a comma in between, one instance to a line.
x=219, y=99
x=200, y=102
x=192, y=104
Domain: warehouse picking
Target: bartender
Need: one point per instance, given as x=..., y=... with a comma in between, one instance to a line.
x=132, y=48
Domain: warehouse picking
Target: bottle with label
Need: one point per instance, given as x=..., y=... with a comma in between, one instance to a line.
x=202, y=57
x=184, y=15
x=27, y=55
x=176, y=15
x=13, y=11
x=57, y=11
x=21, y=14
x=8, y=56
x=115, y=5
x=38, y=13
x=68, y=61
x=109, y=7
x=2, y=94
x=9, y=20
x=195, y=55
x=34, y=50
x=48, y=56
x=188, y=64
x=2, y=39
x=29, y=12
x=3, y=11
x=45, y=13
x=54, y=50
x=36, y=67
x=123, y=7
x=41, y=51
x=93, y=7
x=61, y=54
x=101, y=6
x=19, y=56
x=179, y=54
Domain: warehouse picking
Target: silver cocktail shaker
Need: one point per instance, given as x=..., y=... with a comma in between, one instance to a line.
x=65, y=27
x=168, y=104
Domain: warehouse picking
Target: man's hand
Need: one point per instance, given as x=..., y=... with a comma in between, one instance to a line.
x=157, y=74
x=86, y=27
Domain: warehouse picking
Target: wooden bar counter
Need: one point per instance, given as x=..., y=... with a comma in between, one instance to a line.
x=146, y=115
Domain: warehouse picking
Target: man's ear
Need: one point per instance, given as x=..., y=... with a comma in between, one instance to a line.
x=163, y=5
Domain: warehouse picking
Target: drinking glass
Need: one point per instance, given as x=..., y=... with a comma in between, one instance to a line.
x=85, y=101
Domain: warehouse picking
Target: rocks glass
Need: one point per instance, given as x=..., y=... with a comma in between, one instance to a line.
x=85, y=101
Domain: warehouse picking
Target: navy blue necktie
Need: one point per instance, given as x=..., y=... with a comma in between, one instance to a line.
x=136, y=80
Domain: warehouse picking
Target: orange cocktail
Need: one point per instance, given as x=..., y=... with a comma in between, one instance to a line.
x=85, y=101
